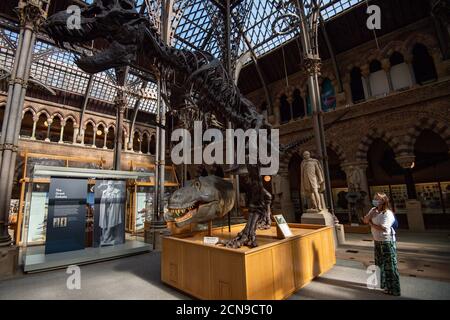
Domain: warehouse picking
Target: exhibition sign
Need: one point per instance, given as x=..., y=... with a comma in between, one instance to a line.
x=66, y=215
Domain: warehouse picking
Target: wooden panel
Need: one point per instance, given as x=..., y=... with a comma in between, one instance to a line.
x=302, y=262
x=172, y=263
x=273, y=270
x=283, y=270
x=259, y=272
x=228, y=276
x=196, y=270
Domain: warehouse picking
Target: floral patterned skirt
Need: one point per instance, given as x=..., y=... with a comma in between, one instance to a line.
x=386, y=260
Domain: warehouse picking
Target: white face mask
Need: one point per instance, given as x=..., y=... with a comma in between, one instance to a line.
x=376, y=203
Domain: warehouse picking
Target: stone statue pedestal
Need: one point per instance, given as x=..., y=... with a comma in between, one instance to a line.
x=323, y=217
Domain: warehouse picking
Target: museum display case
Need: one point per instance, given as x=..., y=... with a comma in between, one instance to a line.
x=273, y=270
x=76, y=215
x=141, y=193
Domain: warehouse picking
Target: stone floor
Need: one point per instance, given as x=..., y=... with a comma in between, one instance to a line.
x=138, y=277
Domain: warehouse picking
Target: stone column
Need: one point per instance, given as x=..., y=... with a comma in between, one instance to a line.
x=140, y=144
x=365, y=72
x=61, y=135
x=31, y=15
x=347, y=90
x=49, y=123
x=33, y=133
x=130, y=141
x=408, y=60
x=105, y=139
x=386, y=65
x=94, y=138
x=76, y=130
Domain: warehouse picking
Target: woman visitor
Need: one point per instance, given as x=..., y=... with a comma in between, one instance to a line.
x=381, y=220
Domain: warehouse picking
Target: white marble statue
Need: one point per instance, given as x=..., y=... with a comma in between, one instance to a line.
x=312, y=182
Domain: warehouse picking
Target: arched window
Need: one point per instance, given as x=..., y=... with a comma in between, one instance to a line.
x=379, y=83
x=2, y=115
x=423, y=65
x=100, y=136
x=356, y=84
x=136, y=142
x=68, y=131
x=89, y=134
x=400, y=74
x=298, y=105
x=55, y=129
x=41, y=127
x=110, y=138
x=145, y=143
x=153, y=145
x=285, y=109
x=328, y=95
x=26, y=129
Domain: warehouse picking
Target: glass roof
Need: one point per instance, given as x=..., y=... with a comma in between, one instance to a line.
x=196, y=25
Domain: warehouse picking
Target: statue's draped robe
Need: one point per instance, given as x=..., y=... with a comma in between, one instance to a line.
x=110, y=209
x=311, y=176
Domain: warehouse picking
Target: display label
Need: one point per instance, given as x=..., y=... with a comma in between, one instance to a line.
x=210, y=240
x=283, y=226
x=66, y=220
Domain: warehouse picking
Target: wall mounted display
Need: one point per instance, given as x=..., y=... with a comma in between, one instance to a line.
x=339, y=199
x=109, y=213
x=37, y=223
x=399, y=195
x=66, y=220
x=429, y=195
x=445, y=187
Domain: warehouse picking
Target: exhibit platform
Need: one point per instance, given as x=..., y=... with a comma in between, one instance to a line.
x=35, y=258
x=272, y=271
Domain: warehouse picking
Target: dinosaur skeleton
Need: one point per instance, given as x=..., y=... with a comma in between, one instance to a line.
x=194, y=76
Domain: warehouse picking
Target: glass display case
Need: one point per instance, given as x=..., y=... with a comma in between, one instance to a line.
x=399, y=195
x=429, y=195
x=445, y=189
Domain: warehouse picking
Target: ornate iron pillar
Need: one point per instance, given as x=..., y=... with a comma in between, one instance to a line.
x=312, y=62
x=121, y=105
x=31, y=15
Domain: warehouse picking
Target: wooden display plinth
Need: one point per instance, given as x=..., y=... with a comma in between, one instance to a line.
x=360, y=229
x=272, y=271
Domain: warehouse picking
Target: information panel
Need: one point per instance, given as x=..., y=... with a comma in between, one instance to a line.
x=66, y=215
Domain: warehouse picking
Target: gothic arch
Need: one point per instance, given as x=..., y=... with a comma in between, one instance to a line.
x=427, y=40
x=59, y=115
x=91, y=121
x=338, y=149
x=440, y=128
x=393, y=46
x=72, y=118
x=375, y=133
x=45, y=112
x=26, y=109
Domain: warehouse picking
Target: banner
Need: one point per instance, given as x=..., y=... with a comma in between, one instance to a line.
x=109, y=213
x=66, y=215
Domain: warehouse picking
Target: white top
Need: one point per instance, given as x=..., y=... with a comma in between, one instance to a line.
x=386, y=220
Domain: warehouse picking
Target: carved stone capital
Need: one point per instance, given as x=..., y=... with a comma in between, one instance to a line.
x=312, y=65
x=32, y=13
x=406, y=161
x=9, y=146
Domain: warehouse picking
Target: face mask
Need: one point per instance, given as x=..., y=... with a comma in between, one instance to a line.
x=376, y=203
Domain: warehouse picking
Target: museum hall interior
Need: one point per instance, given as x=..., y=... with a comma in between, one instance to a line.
x=225, y=150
